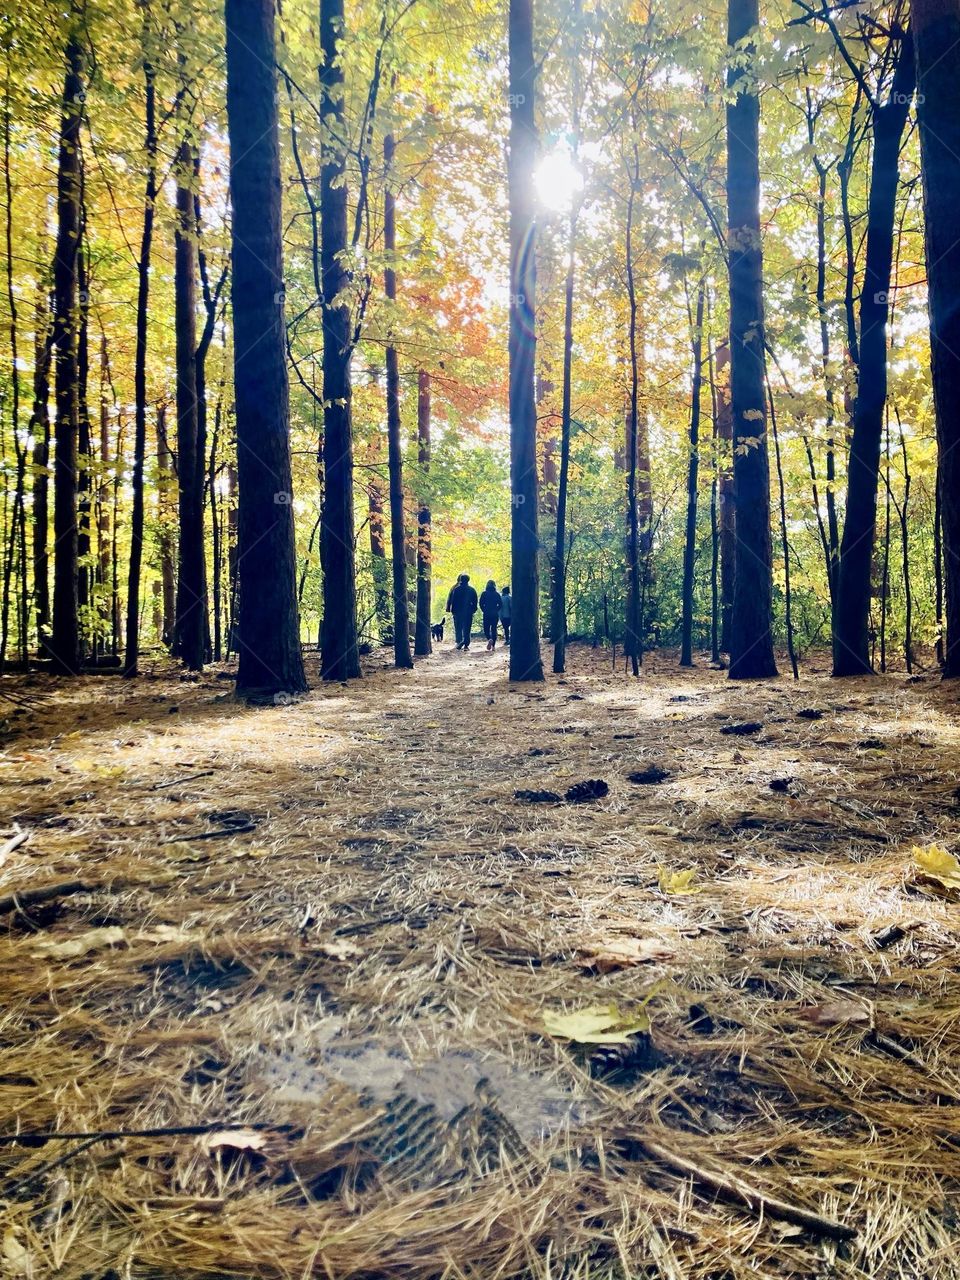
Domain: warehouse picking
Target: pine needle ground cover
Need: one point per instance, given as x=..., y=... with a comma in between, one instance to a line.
x=320, y=994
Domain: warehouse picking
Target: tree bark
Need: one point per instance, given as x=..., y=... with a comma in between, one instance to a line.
x=726, y=498
x=398, y=534
x=423, y=644
x=851, y=616
x=40, y=431
x=190, y=627
x=632, y=638
x=271, y=659
x=751, y=630
x=65, y=638
x=525, y=660
x=339, y=658
x=693, y=472
x=132, y=640
x=936, y=31
x=558, y=617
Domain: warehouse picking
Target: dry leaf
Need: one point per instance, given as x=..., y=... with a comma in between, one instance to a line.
x=596, y=1024
x=236, y=1139
x=619, y=953
x=341, y=949
x=937, y=869
x=92, y=940
x=16, y=1259
x=833, y=1013
x=678, y=882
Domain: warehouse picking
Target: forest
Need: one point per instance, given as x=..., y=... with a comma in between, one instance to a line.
x=319, y=953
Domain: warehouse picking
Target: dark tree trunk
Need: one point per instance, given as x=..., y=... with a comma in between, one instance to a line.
x=40, y=430
x=166, y=535
x=558, y=616
x=851, y=616
x=271, y=659
x=751, y=629
x=398, y=534
x=424, y=615
x=525, y=660
x=714, y=512
x=190, y=627
x=693, y=472
x=84, y=451
x=339, y=658
x=936, y=30
x=378, y=558
x=632, y=638
x=65, y=639
x=104, y=598
x=132, y=640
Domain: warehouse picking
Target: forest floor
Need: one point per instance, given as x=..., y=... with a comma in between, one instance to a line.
x=329, y=941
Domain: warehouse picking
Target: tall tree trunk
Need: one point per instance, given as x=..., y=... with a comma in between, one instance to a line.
x=339, y=658
x=558, y=614
x=784, y=540
x=632, y=638
x=378, y=558
x=751, y=621
x=65, y=639
x=424, y=615
x=693, y=472
x=726, y=497
x=714, y=511
x=936, y=30
x=398, y=534
x=525, y=660
x=190, y=626
x=84, y=450
x=104, y=598
x=167, y=521
x=40, y=431
x=851, y=617
x=271, y=659
x=132, y=640
x=17, y=531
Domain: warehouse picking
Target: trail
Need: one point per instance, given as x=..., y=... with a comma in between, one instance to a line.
x=285, y=911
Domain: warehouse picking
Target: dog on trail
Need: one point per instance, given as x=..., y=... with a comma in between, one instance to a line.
x=437, y=630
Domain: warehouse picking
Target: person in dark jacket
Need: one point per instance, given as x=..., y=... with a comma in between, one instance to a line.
x=506, y=613
x=490, y=608
x=462, y=603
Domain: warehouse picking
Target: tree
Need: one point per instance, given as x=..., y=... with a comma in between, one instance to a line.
x=65, y=638
x=422, y=644
x=936, y=34
x=751, y=621
x=525, y=660
x=693, y=467
x=851, y=615
x=339, y=657
x=271, y=660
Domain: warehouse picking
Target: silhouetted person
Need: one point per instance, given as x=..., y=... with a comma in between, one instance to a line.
x=462, y=603
x=506, y=613
x=490, y=608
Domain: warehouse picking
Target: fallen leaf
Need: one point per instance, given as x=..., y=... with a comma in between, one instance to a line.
x=236, y=1139
x=611, y=954
x=596, y=1024
x=16, y=1259
x=937, y=869
x=341, y=949
x=92, y=940
x=678, y=882
x=834, y=1013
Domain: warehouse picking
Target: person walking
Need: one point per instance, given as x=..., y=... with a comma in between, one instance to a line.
x=490, y=608
x=462, y=603
x=506, y=614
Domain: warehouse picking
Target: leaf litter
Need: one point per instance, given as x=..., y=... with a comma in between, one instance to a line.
x=358, y=1032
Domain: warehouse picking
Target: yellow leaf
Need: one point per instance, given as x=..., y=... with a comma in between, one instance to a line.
x=678, y=882
x=937, y=869
x=595, y=1024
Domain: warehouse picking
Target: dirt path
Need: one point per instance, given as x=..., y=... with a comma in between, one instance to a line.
x=335, y=915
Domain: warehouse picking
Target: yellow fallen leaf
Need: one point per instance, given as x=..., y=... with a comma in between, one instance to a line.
x=678, y=882
x=595, y=1024
x=937, y=869
x=92, y=940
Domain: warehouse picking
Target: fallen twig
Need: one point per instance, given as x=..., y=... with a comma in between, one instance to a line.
x=176, y=782
x=46, y=893
x=729, y=1187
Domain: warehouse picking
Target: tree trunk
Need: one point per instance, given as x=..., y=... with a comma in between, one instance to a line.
x=558, y=616
x=424, y=615
x=84, y=451
x=166, y=520
x=693, y=470
x=339, y=658
x=132, y=641
x=726, y=498
x=851, y=617
x=936, y=30
x=40, y=431
x=65, y=639
x=751, y=631
x=525, y=660
x=378, y=558
x=271, y=659
x=398, y=533
x=190, y=628
x=632, y=639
